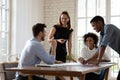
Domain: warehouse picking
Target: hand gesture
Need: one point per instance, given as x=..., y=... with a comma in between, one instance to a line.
x=58, y=62
x=61, y=41
x=82, y=60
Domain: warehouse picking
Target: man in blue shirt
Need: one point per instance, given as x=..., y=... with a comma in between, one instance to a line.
x=33, y=52
x=109, y=35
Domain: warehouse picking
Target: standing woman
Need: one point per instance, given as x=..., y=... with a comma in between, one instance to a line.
x=62, y=33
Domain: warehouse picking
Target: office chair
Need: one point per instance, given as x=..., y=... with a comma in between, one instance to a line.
x=9, y=75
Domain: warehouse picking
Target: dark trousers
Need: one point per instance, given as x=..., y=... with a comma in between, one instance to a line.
x=26, y=78
x=91, y=76
x=118, y=77
x=57, y=78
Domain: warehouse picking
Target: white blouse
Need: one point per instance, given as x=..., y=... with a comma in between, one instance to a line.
x=86, y=53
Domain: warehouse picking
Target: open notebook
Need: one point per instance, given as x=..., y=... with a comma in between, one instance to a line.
x=57, y=65
x=70, y=64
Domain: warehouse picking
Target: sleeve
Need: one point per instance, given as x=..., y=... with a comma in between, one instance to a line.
x=41, y=53
x=83, y=53
x=107, y=35
x=107, y=54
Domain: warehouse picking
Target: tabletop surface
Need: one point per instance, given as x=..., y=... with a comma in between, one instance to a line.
x=66, y=67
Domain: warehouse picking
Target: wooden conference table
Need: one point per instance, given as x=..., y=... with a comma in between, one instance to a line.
x=68, y=69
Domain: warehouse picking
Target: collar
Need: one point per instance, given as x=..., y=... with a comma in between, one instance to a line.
x=102, y=31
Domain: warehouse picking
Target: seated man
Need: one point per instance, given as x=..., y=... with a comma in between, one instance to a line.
x=33, y=52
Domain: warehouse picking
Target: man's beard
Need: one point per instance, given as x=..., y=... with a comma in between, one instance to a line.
x=42, y=38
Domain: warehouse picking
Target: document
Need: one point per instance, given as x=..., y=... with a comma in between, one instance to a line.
x=57, y=65
x=48, y=65
x=108, y=63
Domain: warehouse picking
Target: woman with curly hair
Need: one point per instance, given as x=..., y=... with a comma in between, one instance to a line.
x=91, y=41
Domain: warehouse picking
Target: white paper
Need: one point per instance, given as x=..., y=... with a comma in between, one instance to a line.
x=57, y=65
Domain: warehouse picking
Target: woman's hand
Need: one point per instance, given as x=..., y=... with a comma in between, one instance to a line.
x=61, y=41
x=82, y=60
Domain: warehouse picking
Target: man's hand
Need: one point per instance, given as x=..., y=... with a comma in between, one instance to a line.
x=58, y=62
x=93, y=61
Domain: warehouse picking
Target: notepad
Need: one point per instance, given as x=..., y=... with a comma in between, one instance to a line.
x=57, y=65
x=48, y=65
x=108, y=63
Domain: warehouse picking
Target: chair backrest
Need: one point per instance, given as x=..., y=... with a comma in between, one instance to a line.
x=9, y=75
x=102, y=74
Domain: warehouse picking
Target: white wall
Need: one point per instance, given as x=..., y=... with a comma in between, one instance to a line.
x=28, y=12
x=25, y=15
